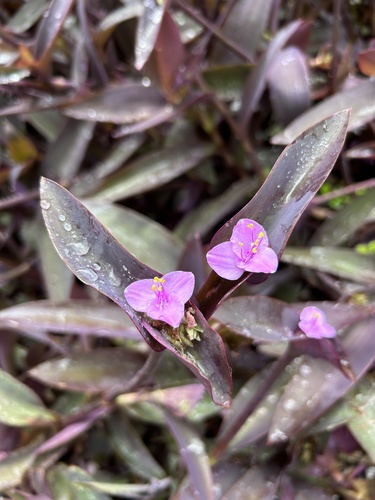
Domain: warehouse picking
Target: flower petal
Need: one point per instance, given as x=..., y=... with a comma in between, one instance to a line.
x=244, y=235
x=313, y=323
x=139, y=294
x=223, y=260
x=264, y=261
x=171, y=311
x=180, y=283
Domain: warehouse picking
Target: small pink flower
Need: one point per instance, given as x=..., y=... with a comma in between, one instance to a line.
x=162, y=298
x=314, y=325
x=247, y=250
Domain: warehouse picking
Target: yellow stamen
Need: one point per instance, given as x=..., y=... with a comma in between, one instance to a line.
x=160, y=288
x=254, y=250
x=261, y=234
x=154, y=288
x=159, y=280
x=241, y=244
x=250, y=226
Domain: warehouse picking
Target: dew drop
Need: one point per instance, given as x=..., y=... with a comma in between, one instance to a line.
x=96, y=266
x=45, y=204
x=87, y=275
x=114, y=278
x=67, y=226
x=62, y=217
x=80, y=247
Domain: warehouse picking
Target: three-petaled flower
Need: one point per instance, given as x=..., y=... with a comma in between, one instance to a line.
x=162, y=298
x=247, y=250
x=313, y=323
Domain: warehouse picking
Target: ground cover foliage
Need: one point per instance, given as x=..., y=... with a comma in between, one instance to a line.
x=135, y=137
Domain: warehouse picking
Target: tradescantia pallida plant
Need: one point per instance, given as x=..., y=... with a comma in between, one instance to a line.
x=162, y=306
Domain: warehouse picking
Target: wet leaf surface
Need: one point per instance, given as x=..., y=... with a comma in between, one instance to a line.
x=90, y=250
x=82, y=317
x=359, y=99
x=50, y=26
x=297, y=175
x=317, y=385
x=345, y=222
x=93, y=372
x=154, y=245
x=152, y=171
x=130, y=448
x=126, y=103
x=342, y=262
x=194, y=454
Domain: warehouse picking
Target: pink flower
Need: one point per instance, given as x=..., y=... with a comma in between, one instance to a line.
x=247, y=250
x=313, y=324
x=162, y=298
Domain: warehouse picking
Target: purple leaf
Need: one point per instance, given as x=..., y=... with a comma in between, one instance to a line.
x=295, y=178
x=100, y=370
x=90, y=251
x=148, y=28
x=288, y=80
x=256, y=83
x=82, y=317
x=124, y=103
x=360, y=99
x=73, y=430
x=192, y=450
x=130, y=448
x=206, y=359
x=317, y=385
x=50, y=26
x=263, y=319
x=100, y=261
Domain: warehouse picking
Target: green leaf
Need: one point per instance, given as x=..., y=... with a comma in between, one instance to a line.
x=342, y=262
x=20, y=406
x=15, y=465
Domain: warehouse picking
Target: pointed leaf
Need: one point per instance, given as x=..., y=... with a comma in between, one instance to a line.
x=288, y=80
x=101, y=262
x=259, y=318
x=92, y=372
x=58, y=279
x=148, y=28
x=50, y=27
x=206, y=359
x=153, y=170
x=192, y=449
x=90, y=251
x=125, y=103
x=72, y=482
x=296, y=176
x=317, y=385
x=26, y=15
x=342, y=262
x=345, y=222
x=256, y=83
x=131, y=449
x=83, y=317
x=361, y=100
